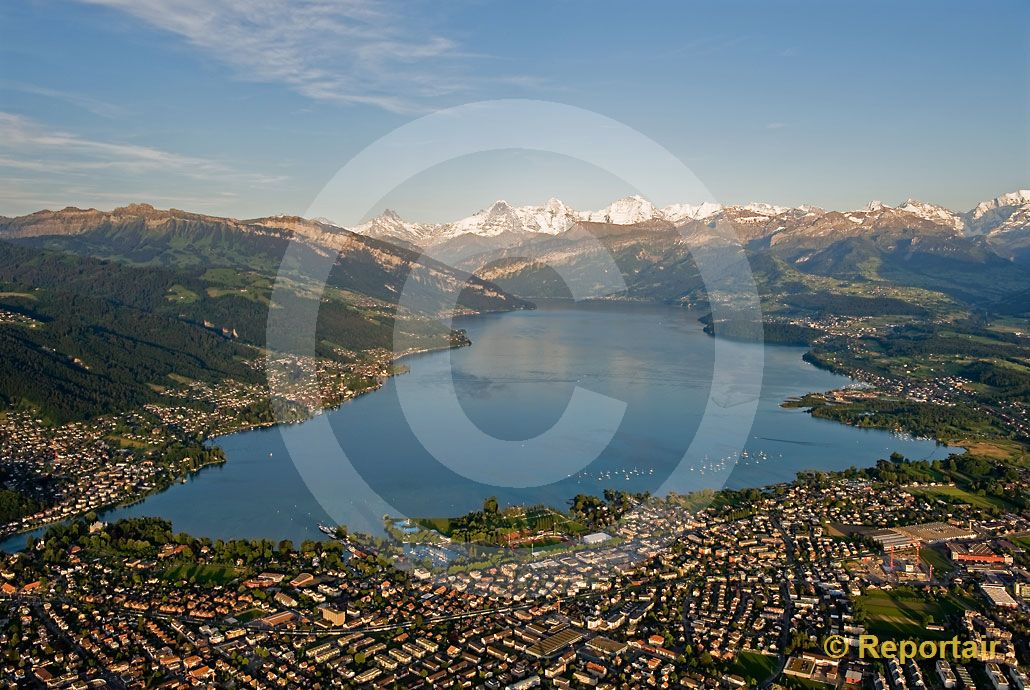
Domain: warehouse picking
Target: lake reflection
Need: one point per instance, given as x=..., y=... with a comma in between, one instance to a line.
x=514, y=383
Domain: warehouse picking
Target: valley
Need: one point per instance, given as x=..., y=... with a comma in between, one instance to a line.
x=379, y=345
x=152, y=322
x=118, y=369
x=137, y=382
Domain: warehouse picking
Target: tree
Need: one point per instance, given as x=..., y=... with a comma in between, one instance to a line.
x=490, y=505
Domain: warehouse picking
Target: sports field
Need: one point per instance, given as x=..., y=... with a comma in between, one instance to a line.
x=754, y=666
x=200, y=573
x=904, y=614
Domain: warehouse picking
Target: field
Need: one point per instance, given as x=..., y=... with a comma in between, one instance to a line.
x=754, y=666
x=938, y=560
x=513, y=527
x=200, y=573
x=437, y=524
x=956, y=493
x=182, y=294
x=124, y=442
x=250, y=614
x=225, y=281
x=998, y=449
x=800, y=683
x=904, y=614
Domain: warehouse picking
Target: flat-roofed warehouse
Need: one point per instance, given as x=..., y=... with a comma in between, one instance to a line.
x=998, y=596
x=549, y=646
x=606, y=646
x=937, y=531
x=893, y=540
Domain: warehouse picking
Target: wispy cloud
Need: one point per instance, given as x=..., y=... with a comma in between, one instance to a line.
x=26, y=195
x=349, y=51
x=46, y=166
x=26, y=144
x=87, y=103
x=776, y=125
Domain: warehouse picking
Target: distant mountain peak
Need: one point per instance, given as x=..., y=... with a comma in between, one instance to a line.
x=134, y=209
x=628, y=210
x=765, y=209
x=1020, y=196
x=680, y=212
x=1002, y=221
x=555, y=217
x=1001, y=218
x=499, y=206
x=1016, y=198
x=934, y=213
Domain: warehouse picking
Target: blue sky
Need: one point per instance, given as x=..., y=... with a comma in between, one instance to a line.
x=247, y=108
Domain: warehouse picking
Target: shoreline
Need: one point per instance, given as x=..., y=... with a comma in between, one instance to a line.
x=211, y=440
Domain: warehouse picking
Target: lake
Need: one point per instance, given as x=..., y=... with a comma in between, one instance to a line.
x=513, y=384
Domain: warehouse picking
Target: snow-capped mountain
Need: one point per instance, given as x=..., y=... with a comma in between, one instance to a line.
x=933, y=212
x=629, y=210
x=553, y=218
x=550, y=219
x=765, y=209
x=1004, y=222
x=679, y=212
x=998, y=220
x=500, y=218
x=994, y=213
x=968, y=255
x=391, y=227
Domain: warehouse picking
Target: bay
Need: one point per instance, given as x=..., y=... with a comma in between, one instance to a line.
x=514, y=383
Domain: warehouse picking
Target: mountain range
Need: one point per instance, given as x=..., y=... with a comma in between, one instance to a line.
x=980, y=257
x=138, y=293
x=1002, y=222
x=100, y=309
x=140, y=234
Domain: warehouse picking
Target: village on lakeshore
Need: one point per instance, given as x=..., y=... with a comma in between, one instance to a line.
x=714, y=590
x=721, y=591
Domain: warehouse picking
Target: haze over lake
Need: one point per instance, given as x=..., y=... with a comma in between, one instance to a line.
x=514, y=383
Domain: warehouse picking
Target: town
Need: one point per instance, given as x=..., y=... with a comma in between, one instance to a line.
x=739, y=589
x=66, y=470
x=699, y=338
x=726, y=589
